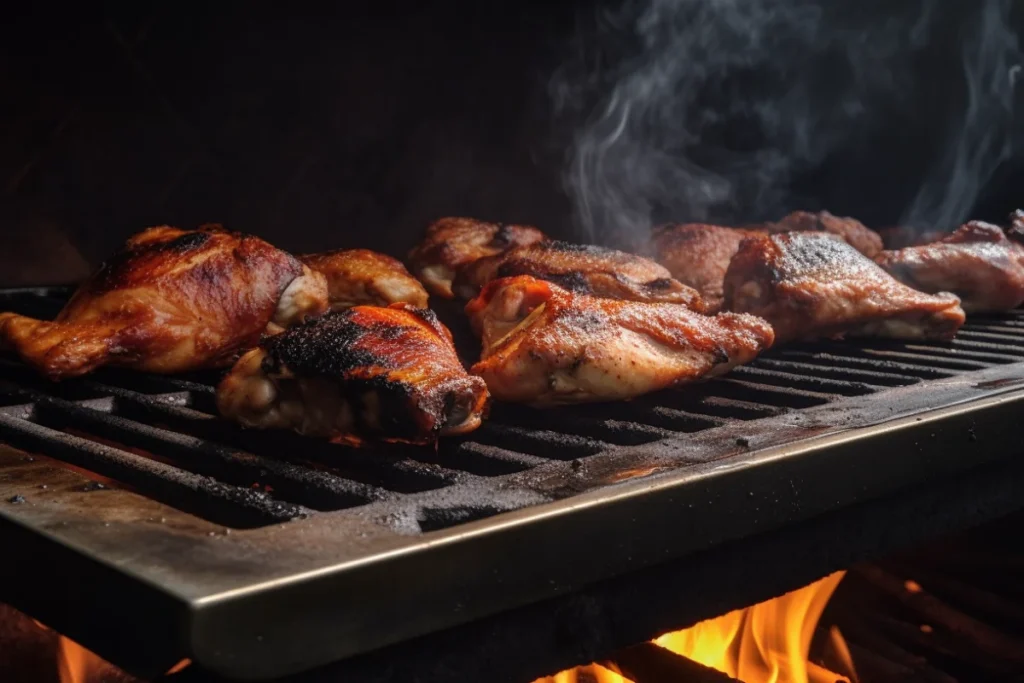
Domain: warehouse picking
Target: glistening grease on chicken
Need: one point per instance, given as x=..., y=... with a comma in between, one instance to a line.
x=544, y=345
x=171, y=301
x=810, y=285
x=452, y=243
x=977, y=262
x=357, y=277
x=367, y=373
x=585, y=269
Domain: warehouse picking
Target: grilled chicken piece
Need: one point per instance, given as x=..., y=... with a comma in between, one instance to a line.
x=365, y=373
x=544, y=345
x=452, y=243
x=853, y=232
x=357, y=277
x=810, y=285
x=171, y=300
x=584, y=269
x=698, y=255
x=978, y=263
x=1016, y=230
x=903, y=237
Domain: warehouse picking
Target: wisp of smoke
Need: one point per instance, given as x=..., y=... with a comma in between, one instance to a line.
x=980, y=136
x=699, y=110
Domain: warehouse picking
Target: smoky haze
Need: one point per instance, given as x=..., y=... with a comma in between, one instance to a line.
x=710, y=110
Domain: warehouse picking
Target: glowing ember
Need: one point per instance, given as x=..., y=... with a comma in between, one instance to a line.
x=766, y=643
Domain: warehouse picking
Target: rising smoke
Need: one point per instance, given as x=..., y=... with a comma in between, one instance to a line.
x=706, y=110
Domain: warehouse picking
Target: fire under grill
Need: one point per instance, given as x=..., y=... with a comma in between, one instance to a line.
x=258, y=555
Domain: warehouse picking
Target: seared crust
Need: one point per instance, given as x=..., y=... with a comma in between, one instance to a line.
x=367, y=373
x=544, y=345
x=698, y=255
x=581, y=268
x=977, y=262
x=452, y=243
x=853, y=232
x=170, y=301
x=811, y=285
x=358, y=277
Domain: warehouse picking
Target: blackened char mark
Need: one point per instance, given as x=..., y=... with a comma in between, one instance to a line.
x=115, y=269
x=326, y=347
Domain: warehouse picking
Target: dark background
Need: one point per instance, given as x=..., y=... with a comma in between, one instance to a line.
x=352, y=125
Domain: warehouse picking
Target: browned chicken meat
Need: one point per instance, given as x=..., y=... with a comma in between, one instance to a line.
x=810, y=285
x=357, y=277
x=978, y=263
x=452, y=243
x=853, y=232
x=170, y=301
x=544, y=345
x=366, y=373
x=585, y=269
x=698, y=255
x=1016, y=230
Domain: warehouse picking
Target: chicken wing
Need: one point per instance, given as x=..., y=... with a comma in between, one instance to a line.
x=355, y=375
x=853, y=232
x=584, y=269
x=358, y=277
x=698, y=255
x=544, y=345
x=170, y=301
x=978, y=263
x=810, y=285
x=452, y=243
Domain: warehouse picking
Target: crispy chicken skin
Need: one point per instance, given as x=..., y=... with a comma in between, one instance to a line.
x=452, y=243
x=810, y=285
x=855, y=233
x=366, y=373
x=978, y=263
x=357, y=277
x=698, y=255
x=169, y=301
x=585, y=269
x=544, y=345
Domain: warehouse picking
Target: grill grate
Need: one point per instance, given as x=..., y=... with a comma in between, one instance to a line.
x=258, y=478
x=159, y=438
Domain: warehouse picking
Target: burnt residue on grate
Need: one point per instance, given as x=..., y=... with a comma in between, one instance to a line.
x=161, y=437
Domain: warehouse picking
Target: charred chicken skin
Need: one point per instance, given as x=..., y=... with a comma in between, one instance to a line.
x=452, y=243
x=853, y=232
x=977, y=262
x=811, y=285
x=584, y=269
x=366, y=373
x=357, y=277
x=698, y=255
x=171, y=301
x=544, y=345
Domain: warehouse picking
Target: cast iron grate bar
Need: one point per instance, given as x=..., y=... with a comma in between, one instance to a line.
x=312, y=488
x=159, y=435
x=223, y=503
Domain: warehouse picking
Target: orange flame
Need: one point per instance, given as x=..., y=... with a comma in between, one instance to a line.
x=842, y=651
x=75, y=664
x=766, y=643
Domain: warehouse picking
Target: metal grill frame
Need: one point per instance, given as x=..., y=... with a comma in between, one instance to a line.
x=264, y=602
